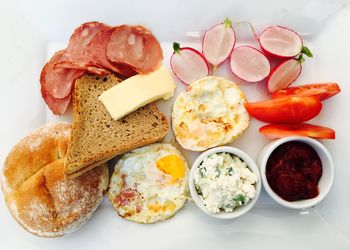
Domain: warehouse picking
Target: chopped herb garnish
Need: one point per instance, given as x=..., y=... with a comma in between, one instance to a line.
x=228, y=206
x=230, y=171
x=199, y=191
x=202, y=171
x=240, y=198
x=217, y=171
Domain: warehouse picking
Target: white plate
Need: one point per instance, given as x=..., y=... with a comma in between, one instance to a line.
x=32, y=30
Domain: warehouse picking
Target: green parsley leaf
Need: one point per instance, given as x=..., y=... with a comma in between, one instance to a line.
x=218, y=172
x=199, y=191
x=202, y=171
x=240, y=198
x=230, y=171
x=228, y=206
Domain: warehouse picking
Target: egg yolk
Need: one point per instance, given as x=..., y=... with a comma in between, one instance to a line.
x=167, y=206
x=172, y=165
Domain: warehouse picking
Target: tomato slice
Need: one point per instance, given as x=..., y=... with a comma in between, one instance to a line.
x=302, y=129
x=321, y=90
x=293, y=109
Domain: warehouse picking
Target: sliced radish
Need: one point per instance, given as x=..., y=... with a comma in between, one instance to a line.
x=284, y=74
x=249, y=64
x=218, y=42
x=282, y=42
x=188, y=64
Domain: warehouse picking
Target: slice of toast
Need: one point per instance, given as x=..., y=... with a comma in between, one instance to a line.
x=96, y=137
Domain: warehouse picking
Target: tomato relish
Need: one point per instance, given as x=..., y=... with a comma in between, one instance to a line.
x=293, y=171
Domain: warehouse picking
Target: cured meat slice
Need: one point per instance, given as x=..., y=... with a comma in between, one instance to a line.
x=97, y=70
x=57, y=106
x=58, y=82
x=83, y=66
x=136, y=47
x=82, y=37
x=125, y=70
x=96, y=52
x=74, y=53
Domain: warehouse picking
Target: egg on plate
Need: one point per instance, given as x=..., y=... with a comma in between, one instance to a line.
x=149, y=184
x=210, y=113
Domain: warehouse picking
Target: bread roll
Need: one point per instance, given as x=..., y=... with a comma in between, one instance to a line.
x=36, y=192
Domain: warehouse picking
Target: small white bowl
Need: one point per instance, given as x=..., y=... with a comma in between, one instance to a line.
x=252, y=166
x=324, y=184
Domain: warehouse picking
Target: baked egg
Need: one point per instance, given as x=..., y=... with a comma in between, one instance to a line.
x=149, y=184
x=210, y=113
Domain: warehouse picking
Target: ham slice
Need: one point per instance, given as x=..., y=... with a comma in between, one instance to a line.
x=100, y=49
x=83, y=66
x=82, y=37
x=136, y=47
x=57, y=83
x=57, y=106
x=96, y=52
x=75, y=56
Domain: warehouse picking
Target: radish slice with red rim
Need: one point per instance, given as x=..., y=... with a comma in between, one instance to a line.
x=249, y=64
x=282, y=42
x=188, y=64
x=284, y=74
x=218, y=42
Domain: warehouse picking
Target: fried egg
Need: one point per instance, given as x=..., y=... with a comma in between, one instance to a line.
x=210, y=113
x=149, y=184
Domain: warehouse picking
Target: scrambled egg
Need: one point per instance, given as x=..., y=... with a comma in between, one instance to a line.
x=210, y=113
x=149, y=184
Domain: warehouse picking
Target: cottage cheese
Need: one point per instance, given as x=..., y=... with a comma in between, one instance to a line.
x=224, y=182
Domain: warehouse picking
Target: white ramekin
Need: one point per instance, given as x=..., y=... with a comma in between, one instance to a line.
x=324, y=184
x=252, y=166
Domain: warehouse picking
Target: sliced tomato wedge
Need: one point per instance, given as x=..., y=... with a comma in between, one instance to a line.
x=302, y=129
x=321, y=90
x=293, y=109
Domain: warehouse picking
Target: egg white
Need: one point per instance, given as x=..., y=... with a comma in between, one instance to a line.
x=210, y=113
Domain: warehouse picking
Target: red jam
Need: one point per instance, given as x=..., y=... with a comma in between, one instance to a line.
x=294, y=170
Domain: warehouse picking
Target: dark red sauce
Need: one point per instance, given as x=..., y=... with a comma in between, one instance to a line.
x=294, y=170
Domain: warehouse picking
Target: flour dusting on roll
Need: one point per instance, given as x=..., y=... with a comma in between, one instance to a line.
x=37, y=193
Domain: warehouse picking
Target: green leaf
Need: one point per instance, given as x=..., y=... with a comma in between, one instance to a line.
x=228, y=206
x=240, y=198
x=202, y=171
x=227, y=23
x=300, y=58
x=218, y=172
x=176, y=47
x=230, y=171
x=199, y=191
x=305, y=50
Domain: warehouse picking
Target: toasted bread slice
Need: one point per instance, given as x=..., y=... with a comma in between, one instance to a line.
x=96, y=137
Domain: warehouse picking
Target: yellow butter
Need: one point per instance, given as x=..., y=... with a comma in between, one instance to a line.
x=137, y=91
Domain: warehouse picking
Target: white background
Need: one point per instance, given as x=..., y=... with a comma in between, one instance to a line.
x=32, y=30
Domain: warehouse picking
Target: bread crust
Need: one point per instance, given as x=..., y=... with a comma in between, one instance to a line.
x=38, y=195
x=91, y=119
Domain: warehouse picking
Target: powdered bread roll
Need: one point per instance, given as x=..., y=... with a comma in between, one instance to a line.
x=36, y=192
